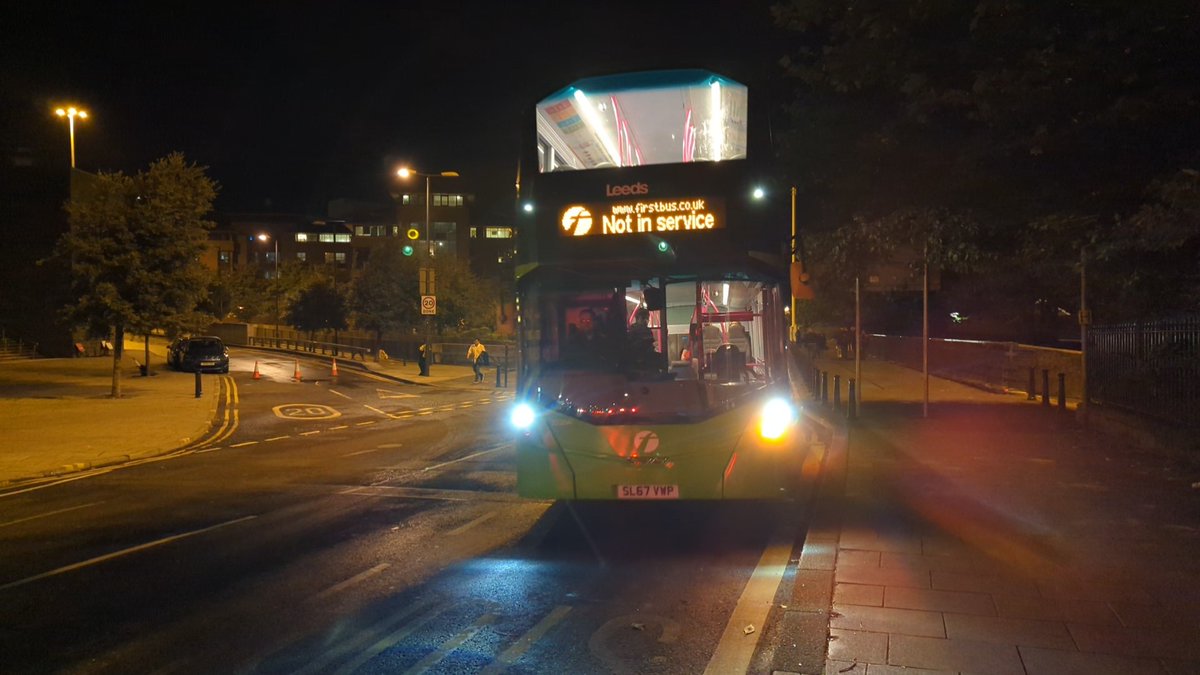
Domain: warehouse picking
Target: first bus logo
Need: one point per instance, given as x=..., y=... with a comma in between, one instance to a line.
x=577, y=220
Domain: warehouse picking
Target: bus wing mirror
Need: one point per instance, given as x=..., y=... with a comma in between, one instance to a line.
x=655, y=298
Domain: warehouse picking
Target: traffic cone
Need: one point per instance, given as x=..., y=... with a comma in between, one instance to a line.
x=256, y=375
x=296, y=375
x=334, y=374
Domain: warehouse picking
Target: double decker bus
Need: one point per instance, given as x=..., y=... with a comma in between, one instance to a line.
x=651, y=286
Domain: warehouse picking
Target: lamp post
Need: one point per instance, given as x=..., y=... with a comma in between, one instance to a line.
x=71, y=113
x=405, y=173
x=263, y=237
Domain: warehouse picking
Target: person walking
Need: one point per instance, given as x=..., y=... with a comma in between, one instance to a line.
x=477, y=355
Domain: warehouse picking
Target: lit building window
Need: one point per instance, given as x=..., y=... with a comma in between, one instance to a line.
x=225, y=257
x=301, y=256
x=335, y=257
x=325, y=237
x=302, y=236
x=406, y=199
x=342, y=238
x=498, y=233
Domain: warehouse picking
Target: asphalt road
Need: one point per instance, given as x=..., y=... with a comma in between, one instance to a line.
x=361, y=525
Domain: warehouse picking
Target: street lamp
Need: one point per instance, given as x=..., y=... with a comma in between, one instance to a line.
x=71, y=114
x=405, y=173
x=263, y=237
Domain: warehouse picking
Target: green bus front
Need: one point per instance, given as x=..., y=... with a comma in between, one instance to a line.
x=651, y=315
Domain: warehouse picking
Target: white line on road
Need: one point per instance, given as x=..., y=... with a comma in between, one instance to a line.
x=736, y=648
x=373, y=409
x=361, y=576
x=242, y=445
x=463, y=528
x=275, y=438
x=49, y=513
x=344, y=426
x=365, y=424
x=357, y=638
x=117, y=554
x=436, y=656
x=310, y=433
x=460, y=459
x=334, y=391
x=509, y=656
x=362, y=452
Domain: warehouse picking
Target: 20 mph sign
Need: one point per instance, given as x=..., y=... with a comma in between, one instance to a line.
x=428, y=304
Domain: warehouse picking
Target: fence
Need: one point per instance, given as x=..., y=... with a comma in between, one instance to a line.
x=999, y=366
x=1149, y=368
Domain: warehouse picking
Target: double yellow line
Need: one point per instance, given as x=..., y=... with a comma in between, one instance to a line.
x=229, y=420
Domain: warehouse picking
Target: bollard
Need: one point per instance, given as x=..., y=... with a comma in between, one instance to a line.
x=837, y=392
x=851, y=407
x=1062, y=392
x=1032, y=395
x=198, y=389
x=824, y=387
x=497, y=377
x=1045, y=388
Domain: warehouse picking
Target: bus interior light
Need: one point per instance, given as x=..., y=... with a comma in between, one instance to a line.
x=777, y=417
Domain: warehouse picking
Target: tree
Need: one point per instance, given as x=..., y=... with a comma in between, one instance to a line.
x=318, y=307
x=384, y=297
x=134, y=246
x=1050, y=122
x=464, y=304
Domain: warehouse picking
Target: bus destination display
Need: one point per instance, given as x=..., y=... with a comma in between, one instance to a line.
x=649, y=216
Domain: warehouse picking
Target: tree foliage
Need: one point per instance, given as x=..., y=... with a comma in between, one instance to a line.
x=384, y=297
x=134, y=245
x=1059, y=126
x=318, y=307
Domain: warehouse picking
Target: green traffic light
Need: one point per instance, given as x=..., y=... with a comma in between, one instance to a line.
x=663, y=246
x=408, y=250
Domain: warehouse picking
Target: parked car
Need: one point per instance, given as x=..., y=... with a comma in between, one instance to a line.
x=175, y=352
x=206, y=353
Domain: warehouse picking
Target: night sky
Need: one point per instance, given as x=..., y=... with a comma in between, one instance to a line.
x=293, y=103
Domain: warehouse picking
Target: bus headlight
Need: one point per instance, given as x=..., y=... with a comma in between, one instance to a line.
x=522, y=416
x=778, y=416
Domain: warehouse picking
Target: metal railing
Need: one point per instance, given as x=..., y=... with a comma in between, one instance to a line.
x=1151, y=368
x=311, y=347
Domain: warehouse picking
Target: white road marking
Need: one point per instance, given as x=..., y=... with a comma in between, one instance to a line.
x=310, y=433
x=509, y=656
x=343, y=648
x=367, y=423
x=735, y=649
x=49, y=513
x=242, y=445
x=463, y=528
x=275, y=438
x=362, y=452
x=376, y=410
x=365, y=574
x=334, y=391
x=461, y=459
x=436, y=656
x=388, y=393
x=123, y=552
x=343, y=426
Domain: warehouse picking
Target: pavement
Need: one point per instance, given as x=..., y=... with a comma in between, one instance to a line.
x=995, y=536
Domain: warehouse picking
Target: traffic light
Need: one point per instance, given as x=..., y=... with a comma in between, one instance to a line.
x=413, y=233
x=407, y=250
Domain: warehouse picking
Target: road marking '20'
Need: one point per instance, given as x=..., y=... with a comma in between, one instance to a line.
x=305, y=411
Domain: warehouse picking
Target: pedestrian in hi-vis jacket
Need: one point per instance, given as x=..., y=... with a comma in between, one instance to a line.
x=478, y=356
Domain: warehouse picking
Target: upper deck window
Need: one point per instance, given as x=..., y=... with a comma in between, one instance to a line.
x=666, y=117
